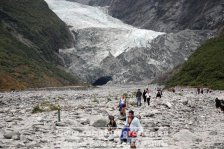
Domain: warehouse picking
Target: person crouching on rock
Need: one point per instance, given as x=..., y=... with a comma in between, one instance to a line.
x=135, y=128
x=111, y=126
x=122, y=106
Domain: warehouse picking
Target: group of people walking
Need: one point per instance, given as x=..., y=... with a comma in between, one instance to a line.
x=146, y=95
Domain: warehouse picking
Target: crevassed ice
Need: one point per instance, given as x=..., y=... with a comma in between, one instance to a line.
x=82, y=16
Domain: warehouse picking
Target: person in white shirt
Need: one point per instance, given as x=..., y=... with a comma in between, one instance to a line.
x=148, y=97
x=135, y=128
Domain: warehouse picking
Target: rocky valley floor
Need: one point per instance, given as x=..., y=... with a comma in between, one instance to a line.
x=176, y=121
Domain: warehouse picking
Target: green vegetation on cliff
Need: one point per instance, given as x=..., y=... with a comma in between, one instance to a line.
x=204, y=68
x=30, y=36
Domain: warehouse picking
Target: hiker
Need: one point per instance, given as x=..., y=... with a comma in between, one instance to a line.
x=219, y=104
x=122, y=106
x=148, y=97
x=202, y=90
x=135, y=128
x=207, y=90
x=144, y=97
x=159, y=94
x=198, y=90
x=138, y=97
x=111, y=126
x=173, y=90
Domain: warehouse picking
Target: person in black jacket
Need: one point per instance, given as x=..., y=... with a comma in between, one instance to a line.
x=138, y=97
x=144, y=97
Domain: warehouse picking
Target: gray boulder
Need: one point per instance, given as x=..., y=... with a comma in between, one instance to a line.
x=10, y=134
x=100, y=123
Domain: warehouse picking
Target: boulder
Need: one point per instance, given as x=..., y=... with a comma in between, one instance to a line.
x=123, y=118
x=60, y=124
x=168, y=104
x=100, y=123
x=10, y=134
x=85, y=122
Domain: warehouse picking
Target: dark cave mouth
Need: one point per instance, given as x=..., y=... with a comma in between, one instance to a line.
x=102, y=80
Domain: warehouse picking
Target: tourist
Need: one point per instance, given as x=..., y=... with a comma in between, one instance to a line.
x=111, y=126
x=148, y=97
x=122, y=106
x=144, y=97
x=138, y=97
x=135, y=128
x=159, y=93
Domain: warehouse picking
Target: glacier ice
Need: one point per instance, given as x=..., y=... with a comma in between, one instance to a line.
x=118, y=37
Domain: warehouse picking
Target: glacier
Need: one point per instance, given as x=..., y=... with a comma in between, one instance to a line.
x=120, y=37
x=106, y=47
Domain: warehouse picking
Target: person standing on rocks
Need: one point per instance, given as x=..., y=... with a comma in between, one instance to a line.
x=198, y=90
x=144, y=97
x=159, y=93
x=135, y=128
x=148, y=97
x=138, y=97
x=202, y=90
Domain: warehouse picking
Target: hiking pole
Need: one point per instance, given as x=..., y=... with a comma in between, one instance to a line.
x=59, y=113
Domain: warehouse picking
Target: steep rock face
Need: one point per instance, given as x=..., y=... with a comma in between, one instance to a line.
x=166, y=52
x=166, y=16
x=94, y=2
x=170, y=16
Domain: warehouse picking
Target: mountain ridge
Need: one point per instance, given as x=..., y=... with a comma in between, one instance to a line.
x=30, y=39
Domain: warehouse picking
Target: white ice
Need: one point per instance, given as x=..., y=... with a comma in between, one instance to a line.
x=81, y=16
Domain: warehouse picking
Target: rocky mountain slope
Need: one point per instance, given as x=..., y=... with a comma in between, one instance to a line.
x=204, y=67
x=30, y=39
x=166, y=16
x=180, y=120
x=107, y=47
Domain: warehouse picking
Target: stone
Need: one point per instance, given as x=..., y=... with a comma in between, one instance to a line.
x=28, y=132
x=78, y=129
x=1, y=144
x=20, y=145
x=100, y=123
x=168, y=104
x=1, y=126
x=10, y=134
x=43, y=141
x=150, y=115
x=9, y=119
x=85, y=122
x=213, y=133
x=123, y=118
x=33, y=145
x=60, y=124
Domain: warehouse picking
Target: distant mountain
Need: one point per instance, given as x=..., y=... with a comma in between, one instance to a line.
x=30, y=38
x=204, y=68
